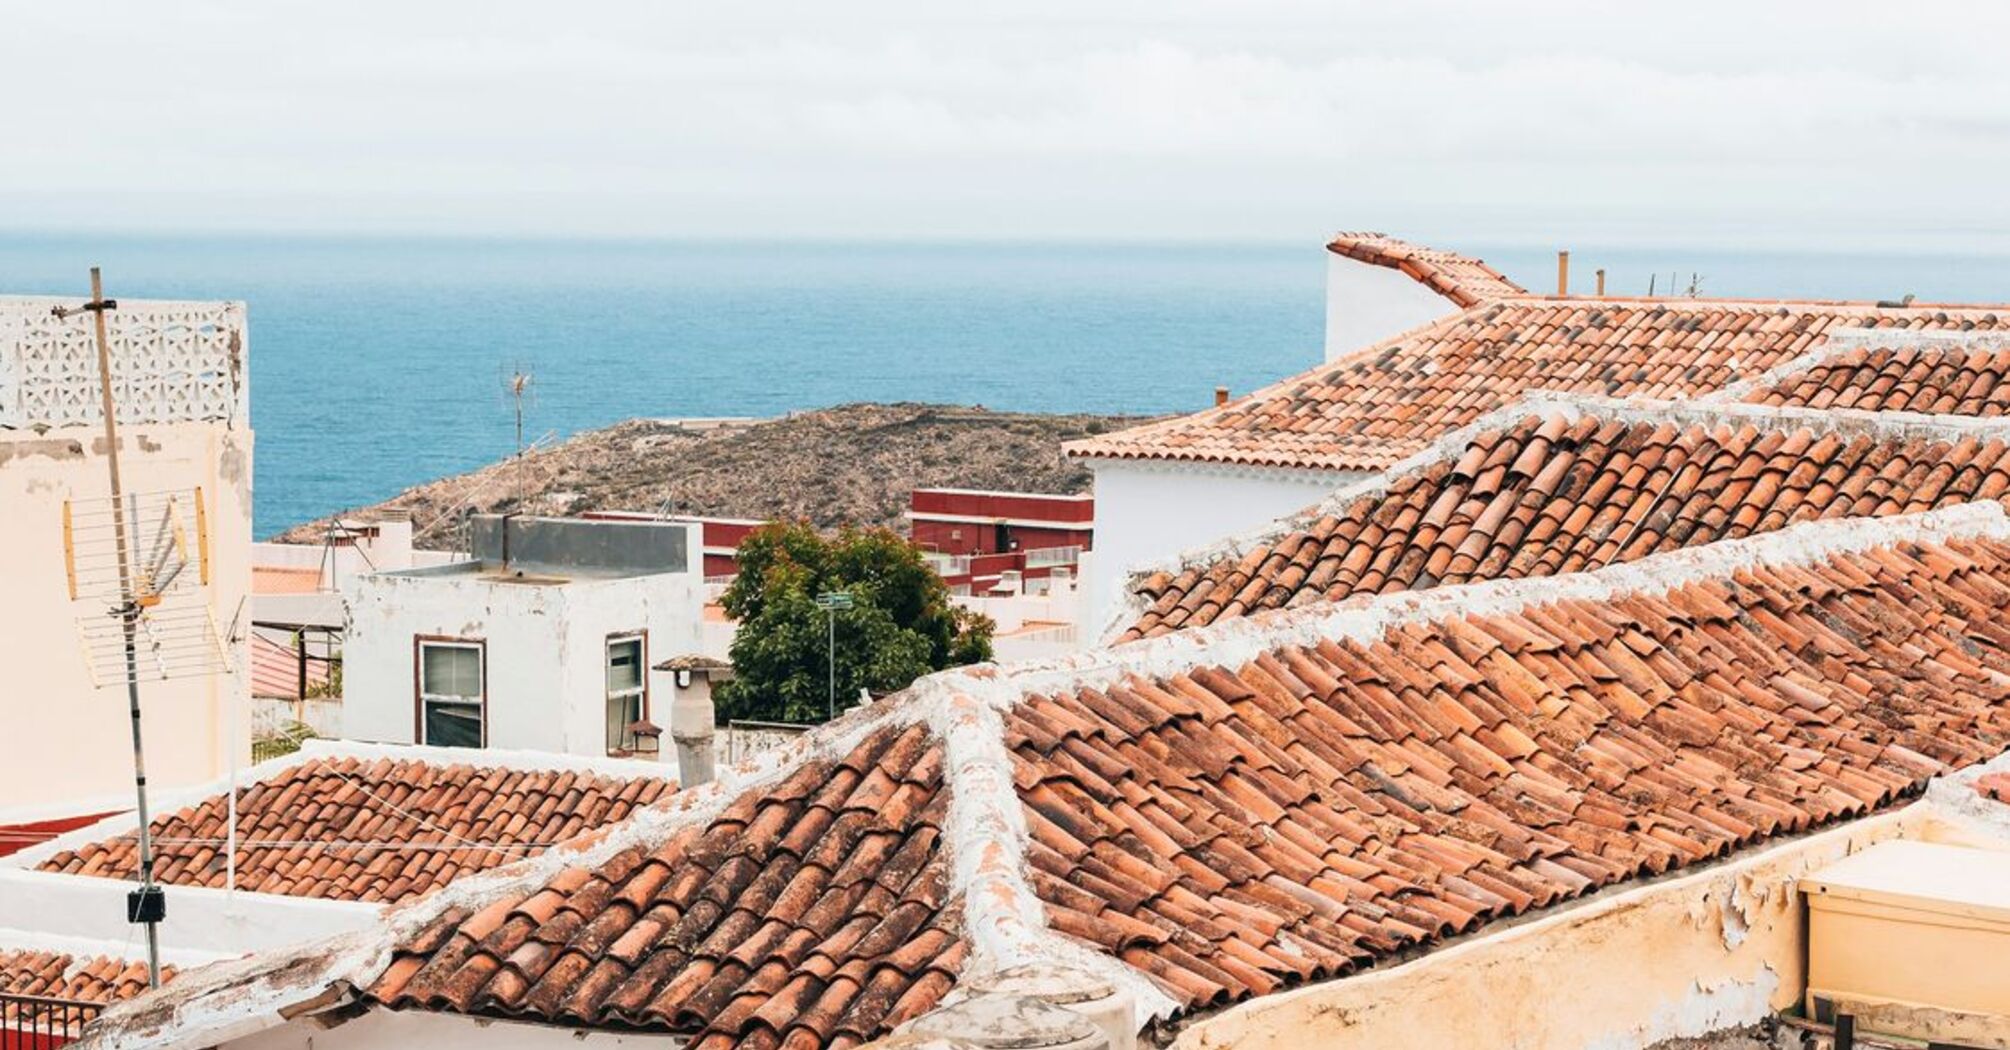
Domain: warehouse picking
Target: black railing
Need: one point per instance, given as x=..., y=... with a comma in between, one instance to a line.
x=33, y=1022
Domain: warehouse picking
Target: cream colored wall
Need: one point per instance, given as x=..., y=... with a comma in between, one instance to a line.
x=69, y=745
x=1681, y=957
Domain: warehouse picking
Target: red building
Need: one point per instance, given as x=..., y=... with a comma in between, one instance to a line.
x=979, y=537
x=974, y=537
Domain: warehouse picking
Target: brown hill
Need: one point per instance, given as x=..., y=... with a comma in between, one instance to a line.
x=853, y=464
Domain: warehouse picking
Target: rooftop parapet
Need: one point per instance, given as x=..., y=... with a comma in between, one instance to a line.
x=172, y=362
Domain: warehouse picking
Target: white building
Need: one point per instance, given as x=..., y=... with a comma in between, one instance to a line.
x=541, y=642
x=1156, y=499
x=179, y=376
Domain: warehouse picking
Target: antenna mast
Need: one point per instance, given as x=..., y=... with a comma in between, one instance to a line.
x=519, y=385
x=144, y=905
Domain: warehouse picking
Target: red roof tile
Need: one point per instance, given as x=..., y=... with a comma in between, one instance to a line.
x=1566, y=488
x=1462, y=279
x=1370, y=410
x=1233, y=830
x=371, y=829
x=1945, y=380
x=60, y=975
x=814, y=913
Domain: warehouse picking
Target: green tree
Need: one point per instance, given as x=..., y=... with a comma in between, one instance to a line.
x=901, y=624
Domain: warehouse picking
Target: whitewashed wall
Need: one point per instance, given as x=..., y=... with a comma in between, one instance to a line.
x=1152, y=509
x=545, y=649
x=1366, y=304
x=71, y=741
x=378, y=1029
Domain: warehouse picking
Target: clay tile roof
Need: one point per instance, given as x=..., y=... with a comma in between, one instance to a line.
x=1326, y=804
x=1372, y=409
x=371, y=829
x=1549, y=487
x=1462, y=279
x=1232, y=810
x=1957, y=380
x=816, y=912
x=60, y=975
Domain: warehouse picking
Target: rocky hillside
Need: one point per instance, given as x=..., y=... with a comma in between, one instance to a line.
x=853, y=464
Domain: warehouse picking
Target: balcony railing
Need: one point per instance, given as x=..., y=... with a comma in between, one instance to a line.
x=171, y=362
x=32, y=1022
x=1048, y=557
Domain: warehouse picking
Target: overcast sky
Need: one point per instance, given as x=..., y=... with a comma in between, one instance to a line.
x=1803, y=125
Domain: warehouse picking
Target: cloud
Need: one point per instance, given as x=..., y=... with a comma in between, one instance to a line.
x=1263, y=118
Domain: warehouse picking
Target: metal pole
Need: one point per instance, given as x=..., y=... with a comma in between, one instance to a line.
x=128, y=613
x=831, y=694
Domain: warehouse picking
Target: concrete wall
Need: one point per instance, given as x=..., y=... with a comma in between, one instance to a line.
x=1151, y=509
x=1366, y=304
x=545, y=650
x=199, y=920
x=72, y=741
x=1683, y=956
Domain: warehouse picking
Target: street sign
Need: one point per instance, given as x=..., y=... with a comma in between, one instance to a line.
x=834, y=600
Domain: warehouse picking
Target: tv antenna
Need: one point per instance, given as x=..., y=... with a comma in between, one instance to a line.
x=517, y=386
x=145, y=557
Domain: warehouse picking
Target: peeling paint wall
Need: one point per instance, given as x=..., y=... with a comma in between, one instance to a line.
x=544, y=650
x=70, y=741
x=1680, y=957
x=382, y=1028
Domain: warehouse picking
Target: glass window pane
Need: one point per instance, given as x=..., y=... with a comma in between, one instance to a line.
x=624, y=665
x=451, y=670
x=453, y=725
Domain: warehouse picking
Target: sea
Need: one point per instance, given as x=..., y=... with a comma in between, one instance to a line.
x=379, y=363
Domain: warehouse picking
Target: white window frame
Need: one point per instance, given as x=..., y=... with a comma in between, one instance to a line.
x=617, y=735
x=480, y=701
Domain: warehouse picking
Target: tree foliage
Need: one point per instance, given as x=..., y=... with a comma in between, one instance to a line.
x=901, y=625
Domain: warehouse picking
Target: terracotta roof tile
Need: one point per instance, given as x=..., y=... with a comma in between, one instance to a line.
x=1359, y=798
x=1462, y=279
x=818, y=909
x=371, y=829
x=1368, y=411
x=1581, y=488
x=1929, y=379
x=60, y=975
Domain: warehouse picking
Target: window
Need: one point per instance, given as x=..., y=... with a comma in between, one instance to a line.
x=627, y=693
x=450, y=694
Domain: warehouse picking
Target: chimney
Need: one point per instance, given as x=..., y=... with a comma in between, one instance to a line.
x=1601, y=282
x=692, y=719
x=1220, y=396
x=1563, y=273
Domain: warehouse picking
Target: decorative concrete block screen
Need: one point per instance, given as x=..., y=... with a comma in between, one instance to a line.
x=171, y=362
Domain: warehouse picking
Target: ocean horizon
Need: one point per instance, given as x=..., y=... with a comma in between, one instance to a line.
x=379, y=363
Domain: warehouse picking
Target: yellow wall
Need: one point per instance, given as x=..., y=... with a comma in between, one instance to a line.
x=65, y=741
